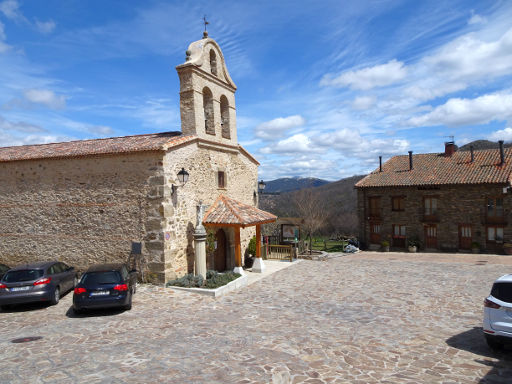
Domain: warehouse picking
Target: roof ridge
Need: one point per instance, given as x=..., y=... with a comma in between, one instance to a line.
x=98, y=139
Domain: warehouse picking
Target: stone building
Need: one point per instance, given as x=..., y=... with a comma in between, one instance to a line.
x=449, y=201
x=90, y=201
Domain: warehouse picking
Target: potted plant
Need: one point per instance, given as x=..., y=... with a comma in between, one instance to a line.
x=413, y=244
x=385, y=246
x=475, y=247
x=507, y=248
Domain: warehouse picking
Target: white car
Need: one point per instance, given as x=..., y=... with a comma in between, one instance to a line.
x=498, y=313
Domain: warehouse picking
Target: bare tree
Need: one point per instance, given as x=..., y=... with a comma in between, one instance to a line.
x=312, y=209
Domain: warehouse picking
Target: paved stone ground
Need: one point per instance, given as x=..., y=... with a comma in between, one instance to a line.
x=363, y=318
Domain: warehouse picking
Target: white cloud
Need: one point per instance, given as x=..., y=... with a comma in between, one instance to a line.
x=10, y=8
x=363, y=102
x=476, y=19
x=45, y=27
x=97, y=130
x=19, y=126
x=295, y=144
x=45, y=97
x=3, y=46
x=274, y=129
x=470, y=57
x=480, y=110
x=502, y=134
x=370, y=77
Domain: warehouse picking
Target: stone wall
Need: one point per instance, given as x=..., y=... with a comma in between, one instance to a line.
x=80, y=210
x=456, y=205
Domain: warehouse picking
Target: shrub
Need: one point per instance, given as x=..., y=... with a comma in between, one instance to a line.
x=414, y=242
x=475, y=244
x=187, y=281
x=215, y=279
x=251, y=248
x=385, y=243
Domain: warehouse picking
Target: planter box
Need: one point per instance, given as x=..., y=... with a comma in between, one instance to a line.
x=413, y=249
x=229, y=287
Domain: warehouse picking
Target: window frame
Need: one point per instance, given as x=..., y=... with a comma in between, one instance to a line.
x=430, y=212
x=223, y=178
x=401, y=203
x=495, y=205
x=374, y=212
x=495, y=227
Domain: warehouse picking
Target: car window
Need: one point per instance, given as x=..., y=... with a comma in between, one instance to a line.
x=57, y=268
x=64, y=267
x=98, y=278
x=3, y=268
x=51, y=270
x=502, y=291
x=23, y=275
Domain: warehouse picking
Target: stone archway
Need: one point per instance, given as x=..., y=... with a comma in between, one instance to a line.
x=219, y=260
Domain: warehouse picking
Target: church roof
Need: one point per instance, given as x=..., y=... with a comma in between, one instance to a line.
x=226, y=211
x=439, y=169
x=112, y=145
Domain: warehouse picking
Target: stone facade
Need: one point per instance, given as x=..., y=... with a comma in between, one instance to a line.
x=89, y=208
x=457, y=206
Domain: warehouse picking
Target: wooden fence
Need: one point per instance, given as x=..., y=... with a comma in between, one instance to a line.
x=279, y=252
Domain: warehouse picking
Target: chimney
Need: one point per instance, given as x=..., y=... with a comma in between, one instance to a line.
x=449, y=148
x=502, y=153
x=472, y=153
x=380, y=163
x=410, y=160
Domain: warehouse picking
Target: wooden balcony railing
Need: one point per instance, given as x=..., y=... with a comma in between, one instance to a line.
x=279, y=252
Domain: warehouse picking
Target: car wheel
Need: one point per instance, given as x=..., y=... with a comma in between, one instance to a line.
x=493, y=343
x=129, y=305
x=56, y=296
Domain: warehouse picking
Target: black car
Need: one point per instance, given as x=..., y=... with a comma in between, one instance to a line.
x=42, y=281
x=3, y=268
x=105, y=286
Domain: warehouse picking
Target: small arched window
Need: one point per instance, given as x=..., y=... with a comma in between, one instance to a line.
x=224, y=115
x=208, y=111
x=213, y=62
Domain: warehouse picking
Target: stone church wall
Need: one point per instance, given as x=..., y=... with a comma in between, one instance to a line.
x=202, y=162
x=80, y=210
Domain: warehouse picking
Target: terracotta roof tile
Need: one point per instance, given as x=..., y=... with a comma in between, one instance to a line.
x=228, y=211
x=125, y=144
x=438, y=169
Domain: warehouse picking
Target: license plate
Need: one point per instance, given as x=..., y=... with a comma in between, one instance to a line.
x=100, y=293
x=16, y=289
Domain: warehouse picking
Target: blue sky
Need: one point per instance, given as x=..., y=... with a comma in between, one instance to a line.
x=324, y=87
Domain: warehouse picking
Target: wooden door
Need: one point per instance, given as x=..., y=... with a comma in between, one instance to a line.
x=431, y=236
x=375, y=233
x=220, y=252
x=465, y=236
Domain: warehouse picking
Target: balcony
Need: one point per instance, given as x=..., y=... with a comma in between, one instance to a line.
x=499, y=218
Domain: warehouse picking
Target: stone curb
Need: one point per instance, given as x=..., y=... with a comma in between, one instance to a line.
x=217, y=292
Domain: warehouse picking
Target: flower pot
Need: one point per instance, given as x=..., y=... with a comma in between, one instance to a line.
x=413, y=249
x=385, y=249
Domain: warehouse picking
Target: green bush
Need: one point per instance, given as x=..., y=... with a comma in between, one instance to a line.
x=251, y=248
x=213, y=280
x=187, y=281
x=216, y=280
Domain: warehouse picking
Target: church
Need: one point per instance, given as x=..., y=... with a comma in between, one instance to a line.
x=109, y=200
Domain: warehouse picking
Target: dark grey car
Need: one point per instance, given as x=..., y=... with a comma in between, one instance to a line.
x=43, y=281
x=3, y=268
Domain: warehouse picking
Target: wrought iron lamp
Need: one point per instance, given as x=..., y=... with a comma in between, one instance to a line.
x=182, y=178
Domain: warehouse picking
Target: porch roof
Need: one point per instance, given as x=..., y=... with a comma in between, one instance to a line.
x=226, y=211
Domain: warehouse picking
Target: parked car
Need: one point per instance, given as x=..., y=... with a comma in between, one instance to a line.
x=497, y=322
x=42, y=281
x=105, y=286
x=3, y=268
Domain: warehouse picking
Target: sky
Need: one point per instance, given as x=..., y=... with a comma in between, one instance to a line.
x=324, y=87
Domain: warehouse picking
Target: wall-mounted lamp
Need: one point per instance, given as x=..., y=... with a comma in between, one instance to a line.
x=261, y=186
x=182, y=178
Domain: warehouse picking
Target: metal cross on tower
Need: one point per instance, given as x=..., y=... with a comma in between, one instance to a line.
x=205, y=22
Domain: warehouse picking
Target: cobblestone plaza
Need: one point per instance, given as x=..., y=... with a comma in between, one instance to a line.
x=364, y=318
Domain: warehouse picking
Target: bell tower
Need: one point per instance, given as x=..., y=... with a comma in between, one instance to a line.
x=207, y=93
